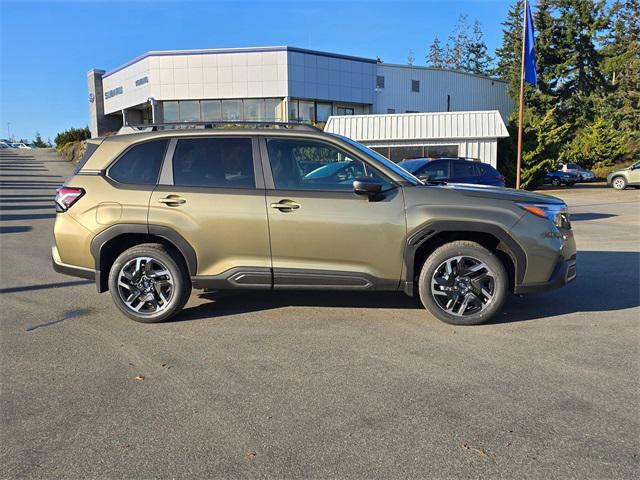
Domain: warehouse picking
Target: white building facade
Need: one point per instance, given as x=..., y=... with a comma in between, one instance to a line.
x=276, y=84
x=426, y=135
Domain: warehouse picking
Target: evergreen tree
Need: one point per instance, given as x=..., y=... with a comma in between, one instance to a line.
x=476, y=59
x=621, y=65
x=578, y=77
x=510, y=52
x=457, y=45
x=38, y=142
x=436, y=56
x=411, y=58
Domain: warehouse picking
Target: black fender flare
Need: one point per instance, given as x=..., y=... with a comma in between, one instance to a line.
x=166, y=233
x=429, y=230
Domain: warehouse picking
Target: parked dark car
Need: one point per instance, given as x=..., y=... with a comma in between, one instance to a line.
x=454, y=170
x=559, y=177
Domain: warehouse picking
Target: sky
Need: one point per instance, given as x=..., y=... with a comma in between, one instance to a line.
x=47, y=47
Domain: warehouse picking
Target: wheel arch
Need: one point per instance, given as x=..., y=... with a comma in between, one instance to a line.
x=111, y=242
x=431, y=236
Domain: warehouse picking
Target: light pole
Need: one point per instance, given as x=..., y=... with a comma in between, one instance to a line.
x=8, y=130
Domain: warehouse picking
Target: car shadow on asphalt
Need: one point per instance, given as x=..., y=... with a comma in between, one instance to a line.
x=606, y=281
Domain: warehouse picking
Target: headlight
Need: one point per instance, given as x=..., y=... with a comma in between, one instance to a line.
x=558, y=214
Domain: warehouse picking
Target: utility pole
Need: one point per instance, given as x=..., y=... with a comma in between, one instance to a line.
x=8, y=130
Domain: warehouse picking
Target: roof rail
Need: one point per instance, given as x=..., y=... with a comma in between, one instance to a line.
x=154, y=127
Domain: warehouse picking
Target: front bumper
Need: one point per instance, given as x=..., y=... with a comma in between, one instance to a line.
x=564, y=272
x=72, y=270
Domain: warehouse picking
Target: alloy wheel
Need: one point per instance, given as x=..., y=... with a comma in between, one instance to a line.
x=618, y=183
x=145, y=285
x=463, y=286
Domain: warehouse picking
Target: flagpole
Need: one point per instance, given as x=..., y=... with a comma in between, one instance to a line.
x=520, y=112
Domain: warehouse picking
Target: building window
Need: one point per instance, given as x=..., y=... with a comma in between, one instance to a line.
x=306, y=111
x=231, y=110
x=190, y=111
x=391, y=110
x=345, y=111
x=170, y=112
x=379, y=82
x=412, y=111
x=415, y=85
x=272, y=109
x=323, y=111
x=254, y=110
x=211, y=110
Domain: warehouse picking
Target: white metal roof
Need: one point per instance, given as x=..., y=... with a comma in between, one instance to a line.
x=413, y=126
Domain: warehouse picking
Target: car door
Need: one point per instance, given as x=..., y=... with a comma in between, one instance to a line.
x=634, y=173
x=322, y=234
x=211, y=192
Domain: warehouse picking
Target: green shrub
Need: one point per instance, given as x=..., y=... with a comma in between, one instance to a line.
x=72, y=135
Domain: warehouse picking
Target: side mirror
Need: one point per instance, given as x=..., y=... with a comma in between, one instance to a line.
x=425, y=178
x=367, y=186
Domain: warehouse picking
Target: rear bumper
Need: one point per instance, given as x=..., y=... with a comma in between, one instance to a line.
x=563, y=273
x=72, y=270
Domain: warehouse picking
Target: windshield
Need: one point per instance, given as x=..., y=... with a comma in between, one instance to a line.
x=383, y=160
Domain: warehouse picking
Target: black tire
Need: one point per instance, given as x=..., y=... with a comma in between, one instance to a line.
x=474, y=251
x=571, y=184
x=580, y=179
x=619, y=182
x=555, y=182
x=178, y=276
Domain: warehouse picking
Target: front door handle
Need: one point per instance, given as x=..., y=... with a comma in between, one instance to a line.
x=286, y=205
x=172, y=200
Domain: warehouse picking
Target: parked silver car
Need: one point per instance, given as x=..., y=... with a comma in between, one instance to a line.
x=626, y=177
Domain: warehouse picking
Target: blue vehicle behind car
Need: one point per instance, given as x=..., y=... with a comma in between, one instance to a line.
x=454, y=170
x=559, y=177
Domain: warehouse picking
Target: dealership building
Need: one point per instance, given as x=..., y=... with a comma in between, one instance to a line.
x=280, y=84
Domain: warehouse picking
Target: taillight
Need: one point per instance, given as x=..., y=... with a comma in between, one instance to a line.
x=66, y=197
x=502, y=178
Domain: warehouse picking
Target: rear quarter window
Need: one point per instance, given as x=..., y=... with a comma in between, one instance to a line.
x=140, y=165
x=91, y=147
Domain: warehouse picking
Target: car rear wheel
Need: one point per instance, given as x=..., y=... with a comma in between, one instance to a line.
x=463, y=283
x=619, y=183
x=149, y=283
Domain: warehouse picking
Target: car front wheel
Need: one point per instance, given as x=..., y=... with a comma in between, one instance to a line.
x=149, y=283
x=619, y=183
x=463, y=283
x=555, y=182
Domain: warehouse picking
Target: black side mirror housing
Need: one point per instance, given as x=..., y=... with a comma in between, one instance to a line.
x=367, y=186
x=425, y=178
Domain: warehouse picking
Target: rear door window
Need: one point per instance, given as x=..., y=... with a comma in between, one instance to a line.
x=214, y=162
x=436, y=170
x=463, y=169
x=140, y=165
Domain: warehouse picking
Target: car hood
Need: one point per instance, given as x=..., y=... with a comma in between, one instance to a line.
x=500, y=193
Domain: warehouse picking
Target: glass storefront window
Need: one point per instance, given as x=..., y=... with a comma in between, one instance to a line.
x=170, y=112
x=232, y=110
x=323, y=111
x=293, y=111
x=345, y=111
x=306, y=111
x=254, y=110
x=211, y=110
x=189, y=111
x=272, y=109
x=441, y=151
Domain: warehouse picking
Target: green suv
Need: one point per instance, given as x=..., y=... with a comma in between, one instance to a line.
x=152, y=215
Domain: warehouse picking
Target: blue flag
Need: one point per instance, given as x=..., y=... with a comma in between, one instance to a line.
x=529, y=50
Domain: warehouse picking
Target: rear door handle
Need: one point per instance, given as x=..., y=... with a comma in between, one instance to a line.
x=172, y=200
x=286, y=205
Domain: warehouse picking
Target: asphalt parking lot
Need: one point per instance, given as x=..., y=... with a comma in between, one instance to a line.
x=317, y=385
